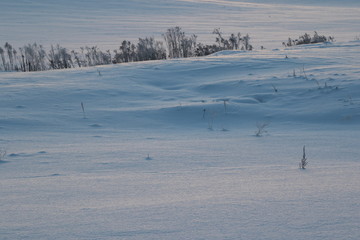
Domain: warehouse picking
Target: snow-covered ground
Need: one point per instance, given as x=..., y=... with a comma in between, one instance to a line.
x=168, y=149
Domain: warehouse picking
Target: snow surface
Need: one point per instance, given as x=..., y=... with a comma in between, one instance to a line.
x=145, y=161
x=73, y=176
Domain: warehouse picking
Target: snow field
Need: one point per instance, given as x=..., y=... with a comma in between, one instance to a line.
x=70, y=176
x=145, y=161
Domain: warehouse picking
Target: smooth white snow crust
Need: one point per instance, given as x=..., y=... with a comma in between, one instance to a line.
x=145, y=161
x=168, y=149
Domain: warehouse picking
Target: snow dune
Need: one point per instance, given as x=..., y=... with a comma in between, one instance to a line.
x=307, y=83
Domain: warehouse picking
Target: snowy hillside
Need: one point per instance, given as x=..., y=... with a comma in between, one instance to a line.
x=198, y=148
x=300, y=84
x=168, y=149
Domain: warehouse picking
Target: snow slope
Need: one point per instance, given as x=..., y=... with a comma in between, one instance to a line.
x=168, y=149
x=303, y=76
x=145, y=161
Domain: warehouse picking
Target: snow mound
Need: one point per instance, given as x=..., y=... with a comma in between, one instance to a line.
x=302, y=84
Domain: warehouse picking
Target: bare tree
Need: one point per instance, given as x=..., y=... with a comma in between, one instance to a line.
x=172, y=40
x=222, y=42
x=303, y=161
x=9, y=51
x=59, y=58
x=246, y=43
x=3, y=59
x=33, y=58
x=178, y=44
x=188, y=46
x=149, y=49
x=16, y=60
x=126, y=53
x=234, y=41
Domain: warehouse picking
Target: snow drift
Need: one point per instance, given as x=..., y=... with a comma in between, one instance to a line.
x=168, y=149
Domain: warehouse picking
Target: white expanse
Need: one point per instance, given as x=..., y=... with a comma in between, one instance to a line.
x=145, y=161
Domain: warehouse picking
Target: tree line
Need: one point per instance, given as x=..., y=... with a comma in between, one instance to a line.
x=34, y=57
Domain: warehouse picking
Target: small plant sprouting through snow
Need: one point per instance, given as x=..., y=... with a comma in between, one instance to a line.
x=304, y=73
x=83, y=109
x=224, y=129
x=99, y=73
x=148, y=157
x=261, y=128
x=211, y=121
x=275, y=89
x=225, y=106
x=210, y=124
x=209, y=116
x=303, y=161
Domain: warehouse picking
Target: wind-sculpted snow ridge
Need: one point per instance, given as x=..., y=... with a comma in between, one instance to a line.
x=300, y=84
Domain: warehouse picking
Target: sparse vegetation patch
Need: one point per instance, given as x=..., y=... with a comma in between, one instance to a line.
x=308, y=39
x=34, y=57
